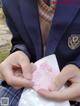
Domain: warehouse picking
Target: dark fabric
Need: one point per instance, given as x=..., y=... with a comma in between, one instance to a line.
x=47, y=2
x=10, y=93
x=20, y=47
x=22, y=18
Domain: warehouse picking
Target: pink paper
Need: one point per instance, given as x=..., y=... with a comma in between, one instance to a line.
x=43, y=76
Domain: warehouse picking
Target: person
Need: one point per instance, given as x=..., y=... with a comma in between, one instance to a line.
x=41, y=28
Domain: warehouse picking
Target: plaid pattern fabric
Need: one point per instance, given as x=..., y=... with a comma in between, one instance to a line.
x=75, y=103
x=46, y=11
x=10, y=93
x=14, y=96
x=53, y=3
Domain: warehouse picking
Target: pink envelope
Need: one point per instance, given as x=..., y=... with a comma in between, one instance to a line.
x=43, y=76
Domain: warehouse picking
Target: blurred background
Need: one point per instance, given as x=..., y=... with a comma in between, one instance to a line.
x=5, y=36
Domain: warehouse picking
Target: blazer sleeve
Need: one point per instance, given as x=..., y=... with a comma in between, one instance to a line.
x=17, y=42
x=76, y=61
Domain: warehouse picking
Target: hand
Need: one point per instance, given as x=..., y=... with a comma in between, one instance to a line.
x=69, y=73
x=17, y=70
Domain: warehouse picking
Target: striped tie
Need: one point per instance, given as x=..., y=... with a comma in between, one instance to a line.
x=47, y=2
x=53, y=3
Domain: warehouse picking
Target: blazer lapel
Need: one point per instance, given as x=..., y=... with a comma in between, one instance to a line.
x=29, y=11
x=64, y=15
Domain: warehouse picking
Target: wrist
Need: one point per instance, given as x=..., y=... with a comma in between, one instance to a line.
x=21, y=54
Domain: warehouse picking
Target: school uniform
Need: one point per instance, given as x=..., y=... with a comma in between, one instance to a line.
x=63, y=37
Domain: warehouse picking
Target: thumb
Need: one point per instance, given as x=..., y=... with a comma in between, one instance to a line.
x=27, y=69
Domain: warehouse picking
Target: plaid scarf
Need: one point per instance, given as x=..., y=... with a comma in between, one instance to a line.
x=50, y=3
x=53, y=3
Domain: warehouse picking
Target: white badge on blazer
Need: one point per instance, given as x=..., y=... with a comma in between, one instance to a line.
x=74, y=41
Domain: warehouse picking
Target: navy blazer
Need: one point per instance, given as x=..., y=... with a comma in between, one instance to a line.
x=64, y=36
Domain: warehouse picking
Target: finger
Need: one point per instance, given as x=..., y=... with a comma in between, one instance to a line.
x=13, y=80
x=61, y=79
x=7, y=74
x=27, y=70
x=56, y=96
x=30, y=69
x=46, y=94
x=18, y=73
x=33, y=67
x=25, y=66
x=1, y=73
x=16, y=66
x=62, y=95
x=1, y=77
x=20, y=82
x=75, y=99
x=17, y=88
x=68, y=93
